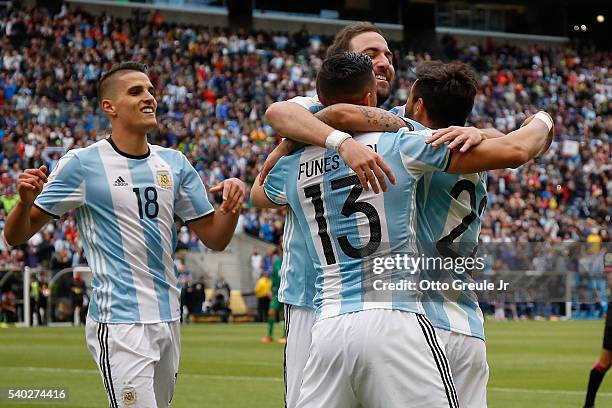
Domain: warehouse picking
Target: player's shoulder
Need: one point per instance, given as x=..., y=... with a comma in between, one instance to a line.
x=308, y=102
x=292, y=157
x=172, y=156
x=409, y=134
x=82, y=152
x=164, y=150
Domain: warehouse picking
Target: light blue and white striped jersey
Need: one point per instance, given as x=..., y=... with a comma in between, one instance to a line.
x=125, y=208
x=348, y=226
x=450, y=207
x=446, y=203
x=297, y=274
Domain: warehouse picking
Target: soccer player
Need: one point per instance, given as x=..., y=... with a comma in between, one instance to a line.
x=297, y=286
x=603, y=363
x=126, y=193
x=450, y=200
x=293, y=118
x=450, y=208
x=275, y=305
x=374, y=353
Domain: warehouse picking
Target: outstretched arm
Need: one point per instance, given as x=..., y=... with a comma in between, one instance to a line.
x=512, y=150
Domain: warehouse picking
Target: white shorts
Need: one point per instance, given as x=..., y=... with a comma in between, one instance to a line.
x=467, y=356
x=138, y=362
x=298, y=326
x=377, y=359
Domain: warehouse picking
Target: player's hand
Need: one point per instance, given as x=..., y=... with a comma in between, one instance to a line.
x=233, y=194
x=549, y=137
x=284, y=148
x=367, y=164
x=30, y=184
x=455, y=136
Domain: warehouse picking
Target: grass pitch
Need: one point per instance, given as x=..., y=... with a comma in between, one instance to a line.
x=533, y=364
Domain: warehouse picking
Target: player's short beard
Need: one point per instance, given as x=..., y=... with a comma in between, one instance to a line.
x=382, y=96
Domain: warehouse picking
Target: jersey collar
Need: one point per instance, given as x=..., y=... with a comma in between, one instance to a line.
x=109, y=139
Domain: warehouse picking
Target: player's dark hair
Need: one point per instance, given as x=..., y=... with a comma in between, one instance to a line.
x=344, y=77
x=343, y=39
x=447, y=90
x=123, y=66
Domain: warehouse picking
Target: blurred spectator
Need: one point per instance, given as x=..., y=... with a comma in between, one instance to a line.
x=60, y=260
x=78, y=292
x=214, y=85
x=256, y=264
x=8, y=306
x=221, y=297
x=195, y=296
x=263, y=289
x=44, y=292
x=35, y=318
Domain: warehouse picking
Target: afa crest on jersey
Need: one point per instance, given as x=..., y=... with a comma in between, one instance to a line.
x=163, y=179
x=129, y=396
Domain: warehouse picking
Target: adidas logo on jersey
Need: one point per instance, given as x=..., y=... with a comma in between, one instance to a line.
x=120, y=182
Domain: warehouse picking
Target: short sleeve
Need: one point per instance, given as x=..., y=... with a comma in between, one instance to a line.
x=65, y=188
x=419, y=157
x=192, y=201
x=275, y=184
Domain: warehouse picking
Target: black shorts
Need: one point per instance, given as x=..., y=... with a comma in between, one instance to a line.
x=607, y=343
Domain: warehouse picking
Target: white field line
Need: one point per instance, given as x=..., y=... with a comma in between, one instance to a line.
x=278, y=379
x=181, y=375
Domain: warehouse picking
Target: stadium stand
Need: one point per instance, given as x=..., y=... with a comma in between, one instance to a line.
x=214, y=86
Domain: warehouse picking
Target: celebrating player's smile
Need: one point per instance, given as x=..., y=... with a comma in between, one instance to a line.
x=323, y=211
x=127, y=193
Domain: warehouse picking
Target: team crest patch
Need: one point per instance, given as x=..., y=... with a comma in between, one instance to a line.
x=163, y=179
x=129, y=396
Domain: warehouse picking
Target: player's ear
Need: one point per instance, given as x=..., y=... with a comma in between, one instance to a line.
x=419, y=107
x=370, y=99
x=108, y=108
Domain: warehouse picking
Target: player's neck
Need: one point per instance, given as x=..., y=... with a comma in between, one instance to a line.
x=130, y=143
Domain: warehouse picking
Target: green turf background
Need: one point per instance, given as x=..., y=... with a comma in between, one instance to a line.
x=533, y=364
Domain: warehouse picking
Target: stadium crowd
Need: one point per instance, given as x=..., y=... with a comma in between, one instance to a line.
x=213, y=86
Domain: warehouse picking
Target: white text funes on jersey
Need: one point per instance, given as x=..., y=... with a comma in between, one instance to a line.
x=323, y=165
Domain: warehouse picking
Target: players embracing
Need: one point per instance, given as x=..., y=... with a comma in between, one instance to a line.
x=352, y=356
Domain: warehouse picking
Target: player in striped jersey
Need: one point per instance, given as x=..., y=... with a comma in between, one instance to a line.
x=298, y=274
x=446, y=197
x=126, y=193
x=450, y=208
x=315, y=184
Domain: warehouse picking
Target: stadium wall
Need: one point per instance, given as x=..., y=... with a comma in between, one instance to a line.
x=275, y=21
x=234, y=262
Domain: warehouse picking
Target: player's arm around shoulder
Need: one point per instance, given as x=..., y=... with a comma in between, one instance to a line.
x=512, y=150
x=216, y=229
x=293, y=120
x=356, y=118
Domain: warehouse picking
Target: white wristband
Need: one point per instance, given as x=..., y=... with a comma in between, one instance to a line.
x=544, y=118
x=335, y=139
